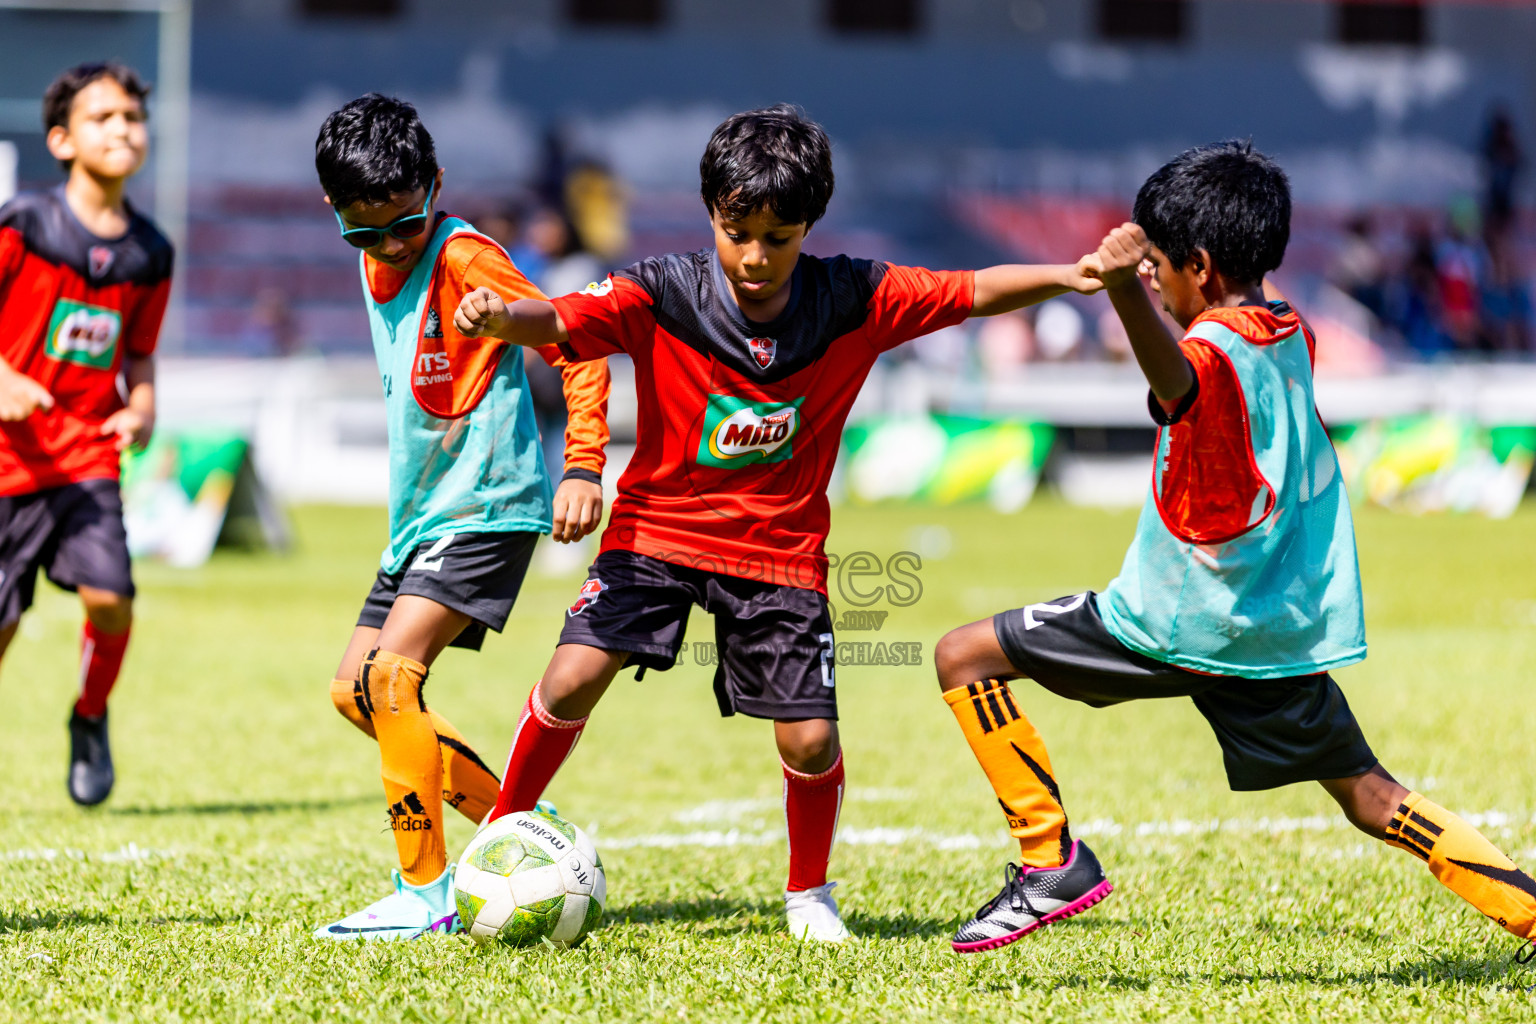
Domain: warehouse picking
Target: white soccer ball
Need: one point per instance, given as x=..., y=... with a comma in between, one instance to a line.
x=528, y=877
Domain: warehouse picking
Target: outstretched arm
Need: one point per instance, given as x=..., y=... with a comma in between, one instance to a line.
x=1157, y=351
x=1013, y=286
x=528, y=322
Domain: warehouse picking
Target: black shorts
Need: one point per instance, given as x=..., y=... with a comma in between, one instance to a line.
x=478, y=574
x=73, y=533
x=773, y=644
x=1272, y=732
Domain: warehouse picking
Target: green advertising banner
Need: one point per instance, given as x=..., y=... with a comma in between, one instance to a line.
x=1435, y=463
x=945, y=459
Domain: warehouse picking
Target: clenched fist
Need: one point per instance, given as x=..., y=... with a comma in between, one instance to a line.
x=1120, y=256
x=481, y=314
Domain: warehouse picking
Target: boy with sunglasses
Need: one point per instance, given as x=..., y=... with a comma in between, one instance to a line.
x=84, y=279
x=468, y=489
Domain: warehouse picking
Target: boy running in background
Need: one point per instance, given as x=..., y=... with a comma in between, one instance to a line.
x=1241, y=589
x=84, y=279
x=747, y=358
x=468, y=490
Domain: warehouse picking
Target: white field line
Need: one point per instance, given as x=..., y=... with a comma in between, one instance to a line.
x=1499, y=822
x=1494, y=821
x=732, y=811
x=131, y=853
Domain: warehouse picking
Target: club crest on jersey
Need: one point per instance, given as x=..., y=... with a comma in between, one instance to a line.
x=433, y=328
x=763, y=350
x=589, y=592
x=599, y=288
x=84, y=334
x=99, y=258
x=740, y=433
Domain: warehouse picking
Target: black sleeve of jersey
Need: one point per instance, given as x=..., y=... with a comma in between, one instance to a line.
x=853, y=281
x=662, y=277
x=1168, y=419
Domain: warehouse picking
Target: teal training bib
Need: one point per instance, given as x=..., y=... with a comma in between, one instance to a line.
x=1244, y=558
x=480, y=473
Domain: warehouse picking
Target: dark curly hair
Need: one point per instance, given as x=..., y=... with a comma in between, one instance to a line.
x=771, y=159
x=1226, y=198
x=373, y=149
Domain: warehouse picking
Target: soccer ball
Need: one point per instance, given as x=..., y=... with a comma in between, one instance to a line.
x=528, y=877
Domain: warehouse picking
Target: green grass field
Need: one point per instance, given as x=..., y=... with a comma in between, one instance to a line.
x=247, y=812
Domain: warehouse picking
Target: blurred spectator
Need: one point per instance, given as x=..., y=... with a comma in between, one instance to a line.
x=598, y=210
x=1506, y=301
x=1005, y=343
x=1413, y=294
x=552, y=257
x=272, y=329
x=531, y=248
x=1461, y=266
x=503, y=224
x=1359, y=270
x=1503, y=163
x=1058, y=330
x=1113, y=341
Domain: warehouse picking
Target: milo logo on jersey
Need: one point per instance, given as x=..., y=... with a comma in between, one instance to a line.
x=741, y=433
x=84, y=334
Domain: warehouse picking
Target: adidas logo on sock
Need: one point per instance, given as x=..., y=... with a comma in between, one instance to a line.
x=409, y=815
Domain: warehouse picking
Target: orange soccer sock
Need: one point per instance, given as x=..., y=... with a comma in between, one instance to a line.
x=1466, y=863
x=1014, y=758
x=412, y=766
x=347, y=695
x=469, y=786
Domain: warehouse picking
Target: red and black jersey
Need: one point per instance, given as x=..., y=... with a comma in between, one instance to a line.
x=71, y=306
x=739, y=421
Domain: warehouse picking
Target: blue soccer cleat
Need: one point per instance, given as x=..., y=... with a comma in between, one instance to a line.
x=410, y=912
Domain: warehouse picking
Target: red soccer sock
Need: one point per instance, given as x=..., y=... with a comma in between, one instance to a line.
x=539, y=748
x=811, y=806
x=101, y=658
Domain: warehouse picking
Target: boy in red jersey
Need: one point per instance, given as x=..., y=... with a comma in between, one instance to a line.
x=747, y=359
x=84, y=279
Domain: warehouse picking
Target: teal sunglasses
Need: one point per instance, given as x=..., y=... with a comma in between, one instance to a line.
x=409, y=226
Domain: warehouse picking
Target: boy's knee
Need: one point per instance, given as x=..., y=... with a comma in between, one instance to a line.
x=111, y=613
x=569, y=695
x=810, y=747
x=950, y=661
x=347, y=697
x=1368, y=800
x=390, y=683
x=1367, y=817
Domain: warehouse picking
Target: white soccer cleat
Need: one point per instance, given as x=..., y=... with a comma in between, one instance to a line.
x=812, y=914
x=410, y=912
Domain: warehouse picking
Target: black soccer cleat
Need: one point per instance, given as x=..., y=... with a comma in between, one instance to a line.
x=1033, y=898
x=90, y=760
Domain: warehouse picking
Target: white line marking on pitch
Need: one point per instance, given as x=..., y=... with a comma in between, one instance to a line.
x=131, y=853
x=893, y=836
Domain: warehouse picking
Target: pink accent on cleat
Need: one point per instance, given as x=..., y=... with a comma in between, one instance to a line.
x=1077, y=906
